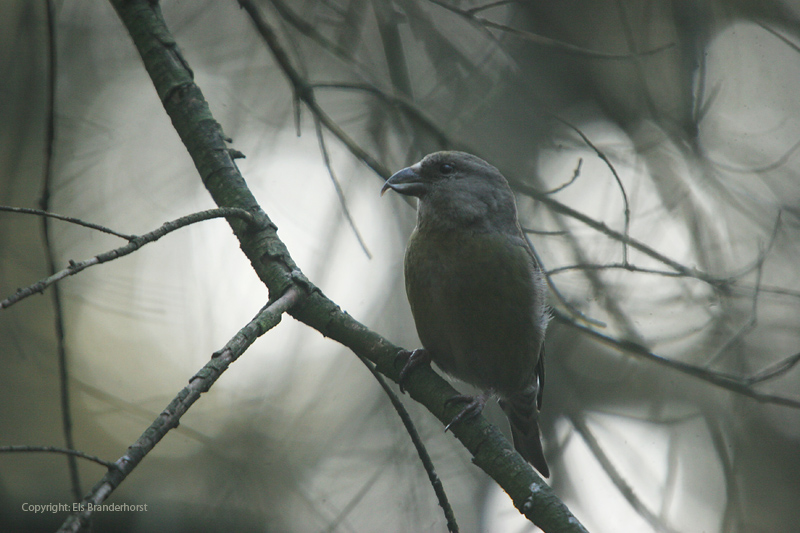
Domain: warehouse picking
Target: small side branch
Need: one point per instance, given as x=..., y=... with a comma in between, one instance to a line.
x=134, y=244
x=739, y=384
x=427, y=463
x=169, y=418
x=338, y=187
x=55, y=449
x=554, y=44
x=71, y=220
x=604, y=158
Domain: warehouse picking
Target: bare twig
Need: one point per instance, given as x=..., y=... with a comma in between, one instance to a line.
x=44, y=202
x=791, y=44
x=738, y=384
x=545, y=41
x=732, y=497
x=564, y=209
x=303, y=91
x=779, y=162
x=338, y=188
x=490, y=5
x=554, y=233
x=427, y=463
x=579, y=422
x=134, y=244
x=54, y=449
x=563, y=186
x=71, y=220
x=310, y=31
x=559, y=296
x=393, y=49
x=773, y=371
x=397, y=101
x=745, y=328
x=604, y=158
x=627, y=31
x=616, y=266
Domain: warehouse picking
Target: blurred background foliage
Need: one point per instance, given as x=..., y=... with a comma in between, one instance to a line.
x=672, y=124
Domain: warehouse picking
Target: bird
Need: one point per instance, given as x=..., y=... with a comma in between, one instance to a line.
x=476, y=290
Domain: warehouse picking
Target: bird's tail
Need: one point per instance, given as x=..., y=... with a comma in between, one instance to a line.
x=523, y=414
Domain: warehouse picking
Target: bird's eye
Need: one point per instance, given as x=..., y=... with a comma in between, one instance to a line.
x=446, y=169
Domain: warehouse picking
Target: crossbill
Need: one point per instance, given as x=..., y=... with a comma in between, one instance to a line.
x=476, y=291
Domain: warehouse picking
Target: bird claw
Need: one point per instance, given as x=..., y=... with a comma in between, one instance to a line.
x=418, y=357
x=474, y=407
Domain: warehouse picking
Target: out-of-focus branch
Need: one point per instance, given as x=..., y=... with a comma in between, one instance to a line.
x=304, y=91
x=627, y=210
x=579, y=422
x=424, y=456
x=408, y=107
x=338, y=188
x=739, y=384
x=44, y=203
x=301, y=86
x=545, y=41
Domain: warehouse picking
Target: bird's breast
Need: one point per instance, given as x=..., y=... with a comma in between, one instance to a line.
x=477, y=304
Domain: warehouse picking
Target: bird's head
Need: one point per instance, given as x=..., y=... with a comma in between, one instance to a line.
x=457, y=190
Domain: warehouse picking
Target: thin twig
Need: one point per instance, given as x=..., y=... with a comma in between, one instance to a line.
x=564, y=209
x=304, y=92
x=427, y=463
x=71, y=220
x=777, y=34
x=396, y=101
x=614, y=266
x=738, y=384
x=490, y=5
x=732, y=497
x=134, y=244
x=554, y=233
x=745, y=328
x=54, y=449
x=554, y=44
x=44, y=202
x=338, y=188
x=579, y=422
x=559, y=296
x=267, y=318
x=773, y=371
x=563, y=186
x=608, y=163
x=310, y=31
x=627, y=31
x=386, y=18
x=782, y=160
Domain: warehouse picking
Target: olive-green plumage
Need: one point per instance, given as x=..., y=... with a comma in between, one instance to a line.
x=475, y=289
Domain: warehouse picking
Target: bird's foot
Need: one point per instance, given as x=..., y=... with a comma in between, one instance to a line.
x=417, y=358
x=474, y=407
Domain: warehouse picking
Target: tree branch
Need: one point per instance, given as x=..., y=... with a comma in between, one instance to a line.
x=201, y=382
x=55, y=449
x=134, y=244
